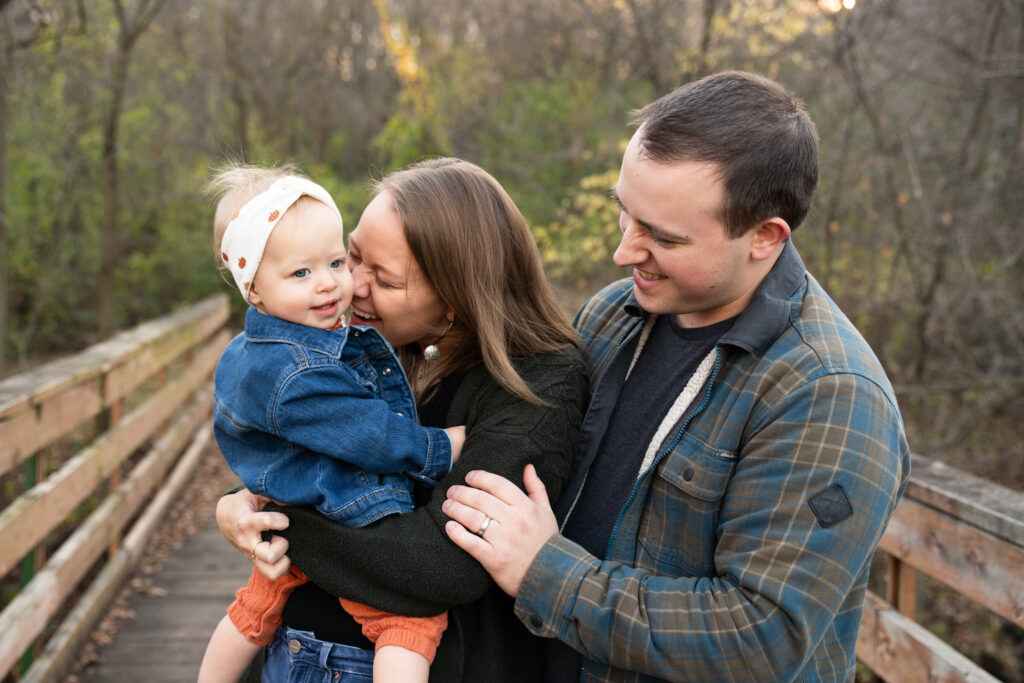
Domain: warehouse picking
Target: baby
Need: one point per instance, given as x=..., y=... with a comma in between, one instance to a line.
x=309, y=411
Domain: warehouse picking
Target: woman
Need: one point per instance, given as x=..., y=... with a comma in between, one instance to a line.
x=446, y=269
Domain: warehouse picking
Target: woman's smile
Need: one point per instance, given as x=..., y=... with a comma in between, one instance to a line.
x=363, y=315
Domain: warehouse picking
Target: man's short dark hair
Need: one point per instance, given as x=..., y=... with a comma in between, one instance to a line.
x=758, y=134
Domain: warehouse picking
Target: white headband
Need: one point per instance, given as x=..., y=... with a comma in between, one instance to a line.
x=246, y=236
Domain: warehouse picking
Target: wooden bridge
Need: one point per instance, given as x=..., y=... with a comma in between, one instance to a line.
x=96, y=448
x=171, y=612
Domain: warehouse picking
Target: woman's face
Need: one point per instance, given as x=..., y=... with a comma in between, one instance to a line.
x=391, y=291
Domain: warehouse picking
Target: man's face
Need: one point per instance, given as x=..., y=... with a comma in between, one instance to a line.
x=683, y=261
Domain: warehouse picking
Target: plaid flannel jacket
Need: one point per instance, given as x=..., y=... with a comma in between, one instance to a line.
x=743, y=552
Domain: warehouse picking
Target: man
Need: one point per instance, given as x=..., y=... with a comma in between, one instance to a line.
x=743, y=450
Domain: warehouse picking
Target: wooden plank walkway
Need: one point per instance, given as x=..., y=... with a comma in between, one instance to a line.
x=187, y=590
x=166, y=639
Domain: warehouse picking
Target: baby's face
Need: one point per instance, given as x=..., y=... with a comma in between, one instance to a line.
x=303, y=277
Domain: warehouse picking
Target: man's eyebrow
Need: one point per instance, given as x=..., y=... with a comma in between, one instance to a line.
x=653, y=230
x=613, y=192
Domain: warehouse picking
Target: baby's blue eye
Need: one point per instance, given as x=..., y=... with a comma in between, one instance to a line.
x=301, y=272
x=337, y=263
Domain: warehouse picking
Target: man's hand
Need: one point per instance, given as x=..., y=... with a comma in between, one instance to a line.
x=520, y=523
x=242, y=521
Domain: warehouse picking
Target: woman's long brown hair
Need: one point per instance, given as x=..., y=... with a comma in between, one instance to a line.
x=476, y=249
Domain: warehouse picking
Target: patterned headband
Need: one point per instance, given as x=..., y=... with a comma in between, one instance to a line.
x=246, y=235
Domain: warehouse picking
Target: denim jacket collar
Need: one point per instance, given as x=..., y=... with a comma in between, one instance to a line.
x=260, y=327
x=768, y=312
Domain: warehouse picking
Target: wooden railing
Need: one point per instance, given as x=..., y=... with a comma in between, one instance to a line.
x=963, y=531
x=144, y=400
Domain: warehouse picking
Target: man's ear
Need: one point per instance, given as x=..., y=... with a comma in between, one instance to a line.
x=767, y=237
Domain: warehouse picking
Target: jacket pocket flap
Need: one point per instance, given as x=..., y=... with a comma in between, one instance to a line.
x=698, y=470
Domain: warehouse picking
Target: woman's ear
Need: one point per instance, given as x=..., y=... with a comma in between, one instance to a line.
x=767, y=237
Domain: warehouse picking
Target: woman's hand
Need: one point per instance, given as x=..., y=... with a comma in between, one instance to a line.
x=242, y=521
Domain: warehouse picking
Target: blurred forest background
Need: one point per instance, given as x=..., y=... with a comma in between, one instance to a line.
x=113, y=112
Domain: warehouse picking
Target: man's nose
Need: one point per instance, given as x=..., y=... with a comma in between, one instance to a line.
x=632, y=249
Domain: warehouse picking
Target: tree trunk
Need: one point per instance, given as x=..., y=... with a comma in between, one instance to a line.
x=232, y=29
x=4, y=278
x=110, y=233
x=703, y=61
x=130, y=28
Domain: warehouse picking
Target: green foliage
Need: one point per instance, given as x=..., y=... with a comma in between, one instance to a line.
x=541, y=136
x=406, y=138
x=538, y=94
x=351, y=198
x=577, y=246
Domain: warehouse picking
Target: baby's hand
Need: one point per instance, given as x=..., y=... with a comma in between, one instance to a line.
x=458, y=435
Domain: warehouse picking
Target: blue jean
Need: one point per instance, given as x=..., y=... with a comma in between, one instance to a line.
x=298, y=657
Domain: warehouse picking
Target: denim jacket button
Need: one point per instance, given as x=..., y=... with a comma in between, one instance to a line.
x=294, y=646
x=399, y=414
x=536, y=622
x=386, y=371
x=356, y=333
x=688, y=473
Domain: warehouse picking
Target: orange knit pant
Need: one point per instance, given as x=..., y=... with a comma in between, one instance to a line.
x=256, y=613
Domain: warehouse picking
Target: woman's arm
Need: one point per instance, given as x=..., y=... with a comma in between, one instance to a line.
x=242, y=521
x=405, y=563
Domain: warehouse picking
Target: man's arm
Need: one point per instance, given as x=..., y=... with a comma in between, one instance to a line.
x=780, y=576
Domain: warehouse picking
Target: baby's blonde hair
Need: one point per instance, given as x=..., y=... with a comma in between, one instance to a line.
x=234, y=184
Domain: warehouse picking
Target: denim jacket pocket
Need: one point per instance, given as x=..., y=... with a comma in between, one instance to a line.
x=678, y=531
x=364, y=370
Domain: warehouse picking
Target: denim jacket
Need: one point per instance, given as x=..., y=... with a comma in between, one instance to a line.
x=742, y=552
x=325, y=418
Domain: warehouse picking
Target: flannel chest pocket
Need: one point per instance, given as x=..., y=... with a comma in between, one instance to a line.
x=678, y=530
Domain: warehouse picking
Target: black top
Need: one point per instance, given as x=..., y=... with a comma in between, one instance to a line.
x=310, y=608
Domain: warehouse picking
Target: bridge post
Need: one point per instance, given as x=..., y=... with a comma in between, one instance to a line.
x=901, y=586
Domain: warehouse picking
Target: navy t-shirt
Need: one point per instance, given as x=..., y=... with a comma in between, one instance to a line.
x=667, y=362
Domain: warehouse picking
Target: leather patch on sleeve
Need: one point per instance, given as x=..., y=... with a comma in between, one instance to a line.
x=830, y=506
